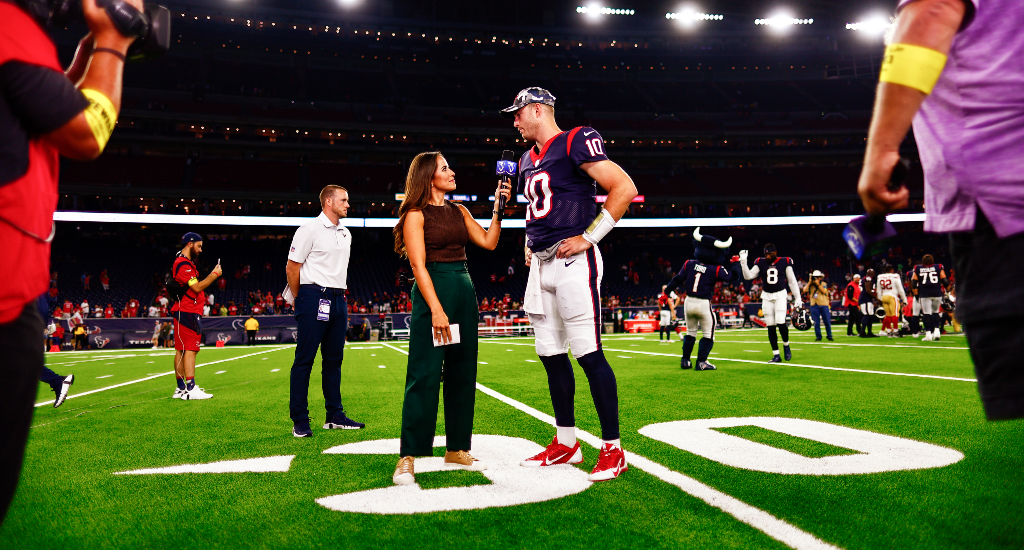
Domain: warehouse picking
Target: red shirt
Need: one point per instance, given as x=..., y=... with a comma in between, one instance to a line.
x=68, y=306
x=108, y=313
x=133, y=304
x=256, y=310
x=186, y=274
x=279, y=301
x=29, y=201
x=58, y=313
x=232, y=310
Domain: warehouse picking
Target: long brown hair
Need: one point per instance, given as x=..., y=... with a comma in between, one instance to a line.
x=417, y=193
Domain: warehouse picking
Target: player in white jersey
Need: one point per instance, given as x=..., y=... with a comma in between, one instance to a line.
x=559, y=177
x=889, y=288
x=778, y=271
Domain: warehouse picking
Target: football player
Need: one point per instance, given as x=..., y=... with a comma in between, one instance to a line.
x=559, y=177
x=889, y=288
x=867, y=303
x=698, y=280
x=777, y=272
x=667, y=314
x=928, y=282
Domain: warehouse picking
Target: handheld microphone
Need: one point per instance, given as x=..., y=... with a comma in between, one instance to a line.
x=506, y=170
x=866, y=235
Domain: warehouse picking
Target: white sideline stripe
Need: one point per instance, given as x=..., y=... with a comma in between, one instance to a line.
x=787, y=364
x=839, y=344
x=784, y=364
x=50, y=402
x=754, y=517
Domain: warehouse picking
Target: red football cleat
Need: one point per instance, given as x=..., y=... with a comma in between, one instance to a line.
x=556, y=453
x=611, y=463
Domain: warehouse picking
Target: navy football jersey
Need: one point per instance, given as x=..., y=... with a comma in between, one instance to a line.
x=773, y=274
x=560, y=196
x=698, y=280
x=867, y=288
x=928, y=285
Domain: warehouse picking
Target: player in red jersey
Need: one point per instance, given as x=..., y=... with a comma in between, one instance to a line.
x=187, y=314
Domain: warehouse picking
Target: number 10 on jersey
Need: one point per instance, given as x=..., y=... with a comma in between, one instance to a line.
x=538, y=196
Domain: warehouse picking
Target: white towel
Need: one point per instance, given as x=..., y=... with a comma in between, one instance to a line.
x=532, y=303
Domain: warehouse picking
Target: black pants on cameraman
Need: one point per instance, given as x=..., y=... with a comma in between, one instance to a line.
x=21, y=362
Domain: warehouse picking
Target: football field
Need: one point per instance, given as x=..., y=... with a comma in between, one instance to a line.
x=859, y=443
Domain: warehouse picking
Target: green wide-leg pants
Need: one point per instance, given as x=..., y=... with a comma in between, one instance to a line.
x=459, y=362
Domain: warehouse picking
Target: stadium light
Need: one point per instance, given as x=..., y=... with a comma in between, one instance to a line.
x=871, y=27
x=687, y=16
x=782, y=22
x=594, y=10
x=349, y=3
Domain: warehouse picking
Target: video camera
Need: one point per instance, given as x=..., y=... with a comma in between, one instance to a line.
x=151, y=27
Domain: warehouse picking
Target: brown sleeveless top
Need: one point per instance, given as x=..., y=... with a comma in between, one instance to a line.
x=444, y=233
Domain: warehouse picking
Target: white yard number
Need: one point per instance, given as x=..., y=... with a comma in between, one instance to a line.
x=771, y=276
x=596, y=146
x=538, y=194
x=870, y=452
x=696, y=281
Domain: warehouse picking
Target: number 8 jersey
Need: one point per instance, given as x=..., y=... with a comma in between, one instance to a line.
x=559, y=195
x=773, y=273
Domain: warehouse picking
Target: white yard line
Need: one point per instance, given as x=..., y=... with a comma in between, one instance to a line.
x=727, y=341
x=787, y=364
x=50, y=402
x=759, y=519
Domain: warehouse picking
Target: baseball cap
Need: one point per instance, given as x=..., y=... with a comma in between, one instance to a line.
x=190, y=237
x=527, y=96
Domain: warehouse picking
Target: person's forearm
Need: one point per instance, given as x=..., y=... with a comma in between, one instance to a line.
x=620, y=195
x=105, y=71
x=426, y=287
x=292, y=274
x=492, y=234
x=202, y=285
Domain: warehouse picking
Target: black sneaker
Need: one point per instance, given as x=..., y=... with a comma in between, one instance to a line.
x=775, y=359
x=62, y=390
x=704, y=365
x=830, y=339
x=302, y=429
x=789, y=354
x=341, y=422
x=685, y=364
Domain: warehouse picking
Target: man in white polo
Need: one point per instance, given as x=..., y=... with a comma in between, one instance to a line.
x=317, y=272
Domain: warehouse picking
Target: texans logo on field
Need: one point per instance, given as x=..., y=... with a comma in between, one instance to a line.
x=221, y=337
x=238, y=324
x=100, y=342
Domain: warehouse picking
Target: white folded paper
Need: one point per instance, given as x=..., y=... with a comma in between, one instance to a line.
x=454, y=327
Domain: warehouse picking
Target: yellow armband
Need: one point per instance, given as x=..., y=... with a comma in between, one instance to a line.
x=193, y=281
x=913, y=66
x=101, y=116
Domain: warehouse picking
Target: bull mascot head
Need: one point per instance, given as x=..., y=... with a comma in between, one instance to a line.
x=709, y=250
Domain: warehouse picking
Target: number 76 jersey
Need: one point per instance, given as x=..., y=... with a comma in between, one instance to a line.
x=559, y=195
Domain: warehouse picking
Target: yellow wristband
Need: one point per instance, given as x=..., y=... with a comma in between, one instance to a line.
x=913, y=66
x=101, y=116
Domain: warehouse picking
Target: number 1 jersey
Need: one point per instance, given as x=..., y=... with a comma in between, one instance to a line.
x=559, y=195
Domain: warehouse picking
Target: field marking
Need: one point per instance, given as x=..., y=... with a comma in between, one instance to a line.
x=275, y=370
x=841, y=344
x=220, y=372
x=770, y=525
x=50, y=402
x=785, y=364
x=104, y=376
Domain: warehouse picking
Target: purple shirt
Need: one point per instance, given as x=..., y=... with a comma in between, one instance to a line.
x=970, y=130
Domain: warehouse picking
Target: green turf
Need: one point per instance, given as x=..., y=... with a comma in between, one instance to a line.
x=68, y=497
x=798, y=445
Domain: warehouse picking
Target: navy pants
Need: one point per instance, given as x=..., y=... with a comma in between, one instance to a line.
x=329, y=337
x=20, y=368
x=819, y=314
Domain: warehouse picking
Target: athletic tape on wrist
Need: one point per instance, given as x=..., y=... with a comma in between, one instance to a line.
x=101, y=116
x=601, y=226
x=913, y=66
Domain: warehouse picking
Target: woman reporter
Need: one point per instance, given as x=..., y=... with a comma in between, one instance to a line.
x=432, y=232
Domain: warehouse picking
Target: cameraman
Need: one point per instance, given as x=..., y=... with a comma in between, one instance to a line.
x=44, y=113
x=818, y=298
